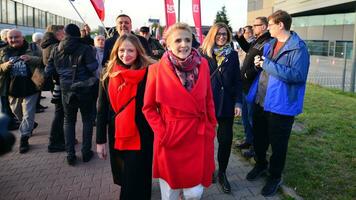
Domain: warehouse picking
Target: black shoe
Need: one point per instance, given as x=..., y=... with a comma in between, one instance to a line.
x=71, y=160
x=249, y=154
x=35, y=125
x=41, y=107
x=223, y=182
x=255, y=173
x=39, y=110
x=56, y=148
x=271, y=187
x=243, y=145
x=87, y=156
x=24, y=146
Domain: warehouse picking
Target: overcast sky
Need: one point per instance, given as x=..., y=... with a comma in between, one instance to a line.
x=141, y=10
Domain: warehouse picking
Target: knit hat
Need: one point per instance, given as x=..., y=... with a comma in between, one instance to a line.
x=72, y=30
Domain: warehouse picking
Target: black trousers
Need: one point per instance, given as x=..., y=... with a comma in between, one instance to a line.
x=224, y=136
x=56, y=136
x=271, y=129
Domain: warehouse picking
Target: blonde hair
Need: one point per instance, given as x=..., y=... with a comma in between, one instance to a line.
x=209, y=41
x=142, y=59
x=174, y=27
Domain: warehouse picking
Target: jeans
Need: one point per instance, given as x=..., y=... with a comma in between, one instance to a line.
x=271, y=129
x=70, y=107
x=192, y=193
x=247, y=113
x=224, y=136
x=24, y=109
x=56, y=137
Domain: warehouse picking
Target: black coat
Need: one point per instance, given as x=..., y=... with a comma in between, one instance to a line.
x=109, y=44
x=226, y=84
x=248, y=69
x=129, y=168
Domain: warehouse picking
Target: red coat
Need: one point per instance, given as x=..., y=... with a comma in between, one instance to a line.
x=184, y=126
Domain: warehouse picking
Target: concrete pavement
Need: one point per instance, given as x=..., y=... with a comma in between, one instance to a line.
x=39, y=175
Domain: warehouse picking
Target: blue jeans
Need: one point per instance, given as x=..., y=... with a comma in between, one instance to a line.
x=247, y=113
x=71, y=104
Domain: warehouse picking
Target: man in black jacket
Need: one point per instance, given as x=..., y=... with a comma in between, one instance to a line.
x=123, y=25
x=75, y=63
x=249, y=73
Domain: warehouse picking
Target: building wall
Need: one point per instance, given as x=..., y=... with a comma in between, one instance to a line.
x=255, y=10
x=297, y=6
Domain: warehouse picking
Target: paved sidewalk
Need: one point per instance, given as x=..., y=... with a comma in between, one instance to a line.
x=39, y=175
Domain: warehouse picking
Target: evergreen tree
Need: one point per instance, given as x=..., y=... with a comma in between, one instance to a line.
x=222, y=17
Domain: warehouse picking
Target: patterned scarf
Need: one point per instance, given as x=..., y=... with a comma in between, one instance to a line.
x=187, y=70
x=221, y=53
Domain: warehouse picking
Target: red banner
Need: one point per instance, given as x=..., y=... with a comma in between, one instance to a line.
x=197, y=19
x=170, y=13
x=99, y=8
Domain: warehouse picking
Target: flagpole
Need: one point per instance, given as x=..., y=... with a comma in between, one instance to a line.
x=106, y=31
x=70, y=1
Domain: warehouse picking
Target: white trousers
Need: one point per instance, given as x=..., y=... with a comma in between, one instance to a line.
x=167, y=193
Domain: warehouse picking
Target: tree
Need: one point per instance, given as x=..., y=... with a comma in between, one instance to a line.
x=222, y=17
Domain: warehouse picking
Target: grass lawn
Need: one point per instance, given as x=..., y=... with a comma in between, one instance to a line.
x=321, y=161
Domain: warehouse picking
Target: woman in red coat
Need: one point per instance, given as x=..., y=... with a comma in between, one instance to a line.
x=179, y=107
x=120, y=115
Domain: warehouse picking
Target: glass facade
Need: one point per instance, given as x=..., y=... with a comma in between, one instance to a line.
x=324, y=20
x=326, y=47
x=19, y=14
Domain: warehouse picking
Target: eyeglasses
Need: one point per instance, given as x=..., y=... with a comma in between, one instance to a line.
x=271, y=24
x=257, y=25
x=221, y=34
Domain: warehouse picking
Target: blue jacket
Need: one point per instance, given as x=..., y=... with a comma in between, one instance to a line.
x=288, y=72
x=226, y=85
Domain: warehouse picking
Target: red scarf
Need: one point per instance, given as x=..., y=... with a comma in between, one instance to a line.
x=121, y=88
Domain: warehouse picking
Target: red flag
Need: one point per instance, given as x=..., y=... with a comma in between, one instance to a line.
x=99, y=8
x=197, y=19
x=170, y=13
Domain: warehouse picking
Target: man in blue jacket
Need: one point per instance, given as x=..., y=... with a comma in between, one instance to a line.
x=278, y=95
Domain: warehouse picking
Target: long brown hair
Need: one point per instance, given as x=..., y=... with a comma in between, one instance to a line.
x=209, y=41
x=142, y=60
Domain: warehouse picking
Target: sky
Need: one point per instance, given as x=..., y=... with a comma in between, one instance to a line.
x=141, y=10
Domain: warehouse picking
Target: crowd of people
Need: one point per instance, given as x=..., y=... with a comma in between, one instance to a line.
x=157, y=109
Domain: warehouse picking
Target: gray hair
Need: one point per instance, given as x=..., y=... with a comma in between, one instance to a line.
x=3, y=34
x=36, y=37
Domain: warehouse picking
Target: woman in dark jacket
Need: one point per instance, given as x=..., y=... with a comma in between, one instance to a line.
x=226, y=84
x=120, y=107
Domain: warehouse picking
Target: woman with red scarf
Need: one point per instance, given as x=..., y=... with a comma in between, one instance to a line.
x=179, y=107
x=120, y=115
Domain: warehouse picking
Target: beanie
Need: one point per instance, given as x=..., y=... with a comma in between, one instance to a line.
x=72, y=30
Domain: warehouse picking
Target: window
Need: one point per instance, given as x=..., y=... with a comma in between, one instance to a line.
x=349, y=18
x=331, y=48
x=340, y=48
x=318, y=47
x=4, y=11
x=19, y=14
x=254, y=5
x=43, y=19
x=29, y=16
x=300, y=22
x=337, y=19
x=36, y=17
x=11, y=12
x=317, y=20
